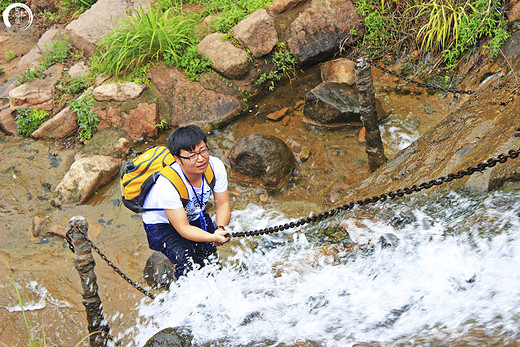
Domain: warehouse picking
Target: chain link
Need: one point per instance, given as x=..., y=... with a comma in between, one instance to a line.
x=421, y=84
x=501, y=158
x=104, y=257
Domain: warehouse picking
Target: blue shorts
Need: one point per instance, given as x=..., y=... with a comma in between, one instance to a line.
x=181, y=252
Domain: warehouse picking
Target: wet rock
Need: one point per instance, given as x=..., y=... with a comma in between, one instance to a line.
x=262, y=158
x=110, y=142
x=93, y=24
x=278, y=115
x=228, y=60
x=140, y=122
x=320, y=30
x=178, y=336
x=339, y=71
x=190, y=102
x=61, y=125
x=280, y=6
x=84, y=178
x=39, y=226
x=7, y=121
x=79, y=70
x=37, y=93
x=121, y=92
x=334, y=105
x=257, y=32
x=159, y=272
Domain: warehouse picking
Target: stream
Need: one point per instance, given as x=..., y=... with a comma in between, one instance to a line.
x=439, y=269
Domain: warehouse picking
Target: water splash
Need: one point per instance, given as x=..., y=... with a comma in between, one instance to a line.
x=453, y=270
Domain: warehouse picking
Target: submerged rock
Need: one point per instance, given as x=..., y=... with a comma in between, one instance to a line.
x=159, y=272
x=178, y=336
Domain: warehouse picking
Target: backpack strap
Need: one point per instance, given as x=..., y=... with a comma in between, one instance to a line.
x=177, y=182
x=175, y=179
x=210, y=176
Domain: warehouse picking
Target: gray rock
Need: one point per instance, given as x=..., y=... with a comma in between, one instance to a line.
x=171, y=337
x=228, y=60
x=322, y=29
x=262, y=158
x=121, y=92
x=159, y=272
x=257, y=32
x=84, y=178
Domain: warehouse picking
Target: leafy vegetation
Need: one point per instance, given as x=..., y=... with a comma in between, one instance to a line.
x=168, y=32
x=29, y=120
x=10, y=55
x=55, y=52
x=446, y=27
x=284, y=62
x=87, y=121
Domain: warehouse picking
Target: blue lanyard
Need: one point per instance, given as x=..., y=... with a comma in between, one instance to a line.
x=201, y=202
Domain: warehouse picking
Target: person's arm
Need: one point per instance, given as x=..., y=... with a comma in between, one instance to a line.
x=179, y=221
x=223, y=208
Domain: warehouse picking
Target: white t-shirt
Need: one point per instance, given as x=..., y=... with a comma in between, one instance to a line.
x=163, y=194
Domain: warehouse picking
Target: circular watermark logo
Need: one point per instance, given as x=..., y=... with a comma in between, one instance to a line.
x=18, y=16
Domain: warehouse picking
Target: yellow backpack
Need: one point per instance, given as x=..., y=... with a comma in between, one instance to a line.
x=140, y=174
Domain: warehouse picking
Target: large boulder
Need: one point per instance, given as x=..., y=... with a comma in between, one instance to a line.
x=263, y=159
x=280, y=6
x=320, y=31
x=37, y=93
x=335, y=105
x=190, y=102
x=7, y=121
x=257, y=32
x=178, y=336
x=93, y=24
x=84, y=178
x=228, y=60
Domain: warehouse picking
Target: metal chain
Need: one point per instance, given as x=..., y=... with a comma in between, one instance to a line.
x=104, y=257
x=501, y=158
x=421, y=84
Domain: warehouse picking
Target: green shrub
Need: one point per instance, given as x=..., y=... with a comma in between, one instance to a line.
x=285, y=64
x=147, y=37
x=55, y=52
x=10, y=55
x=87, y=121
x=73, y=85
x=193, y=63
x=29, y=120
x=29, y=75
x=2, y=71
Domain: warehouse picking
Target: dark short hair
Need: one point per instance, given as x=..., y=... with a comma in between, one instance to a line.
x=187, y=138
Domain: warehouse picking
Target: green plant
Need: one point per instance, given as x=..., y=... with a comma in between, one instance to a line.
x=2, y=71
x=162, y=125
x=29, y=75
x=87, y=121
x=55, y=52
x=284, y=62
x=10, y=55
x=74, y=85
x=28, y=120
x=193, y=63
x=147, y=37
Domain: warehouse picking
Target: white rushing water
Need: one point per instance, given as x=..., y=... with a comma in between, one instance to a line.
x=451, y=267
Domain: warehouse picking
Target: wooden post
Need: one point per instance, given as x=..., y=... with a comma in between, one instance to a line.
x=84, y=263
x=369, y=117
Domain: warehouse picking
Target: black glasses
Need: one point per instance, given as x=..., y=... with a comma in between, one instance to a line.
x=203, y=153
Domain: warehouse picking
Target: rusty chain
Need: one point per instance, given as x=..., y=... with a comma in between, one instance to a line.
x=501, y=158
x=421, y=84
x=104, y=257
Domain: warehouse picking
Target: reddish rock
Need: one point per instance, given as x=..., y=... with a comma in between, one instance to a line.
x=190, y=103
x=7, y=121
x=108, y=117
x=61, y=125
x=141, y=121
x=279, y=6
